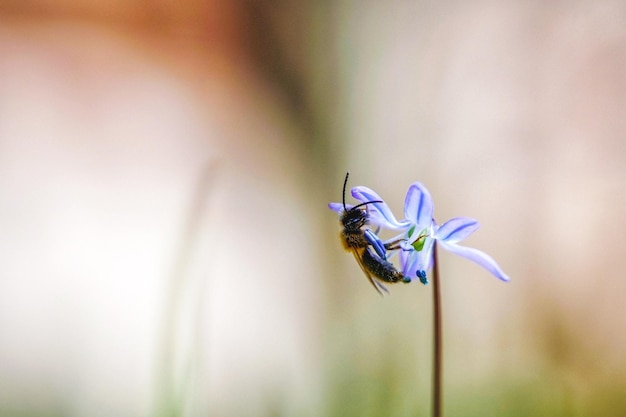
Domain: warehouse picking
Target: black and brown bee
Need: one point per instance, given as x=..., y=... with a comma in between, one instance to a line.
x=368, y=250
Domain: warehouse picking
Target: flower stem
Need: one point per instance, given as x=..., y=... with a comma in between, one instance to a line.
x=437, y=337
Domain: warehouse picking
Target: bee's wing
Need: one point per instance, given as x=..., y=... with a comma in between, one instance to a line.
x=377, y=285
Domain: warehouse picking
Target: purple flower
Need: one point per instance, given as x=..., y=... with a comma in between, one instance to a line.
x=416, y=256
x=419, y=232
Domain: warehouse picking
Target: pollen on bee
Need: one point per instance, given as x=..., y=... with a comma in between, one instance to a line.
x=351, y=240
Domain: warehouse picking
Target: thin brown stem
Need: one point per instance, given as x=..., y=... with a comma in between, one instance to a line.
x=437, y=338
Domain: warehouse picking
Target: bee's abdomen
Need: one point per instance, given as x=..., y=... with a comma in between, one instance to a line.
x=381, y=268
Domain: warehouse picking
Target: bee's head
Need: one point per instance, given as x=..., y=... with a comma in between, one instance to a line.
x=355, y=218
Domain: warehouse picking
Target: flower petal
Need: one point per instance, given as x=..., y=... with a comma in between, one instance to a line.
x=380, y=213
x=408, y=263
x=481, y=258
x=427, y=255
x=418, y=205
x=337, y=207
x=457, y=229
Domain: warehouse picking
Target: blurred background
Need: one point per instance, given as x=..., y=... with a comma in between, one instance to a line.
x=165, y=245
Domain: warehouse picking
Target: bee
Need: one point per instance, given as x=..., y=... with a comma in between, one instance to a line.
x=368, y=250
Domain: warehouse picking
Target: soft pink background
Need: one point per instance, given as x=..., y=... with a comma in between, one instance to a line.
x=163, y=222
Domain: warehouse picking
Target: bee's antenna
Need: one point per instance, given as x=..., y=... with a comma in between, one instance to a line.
x=345, y=182
x=367, y=202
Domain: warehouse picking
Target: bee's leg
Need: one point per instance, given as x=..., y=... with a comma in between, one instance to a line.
x=376, y=243
x=393, y=245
